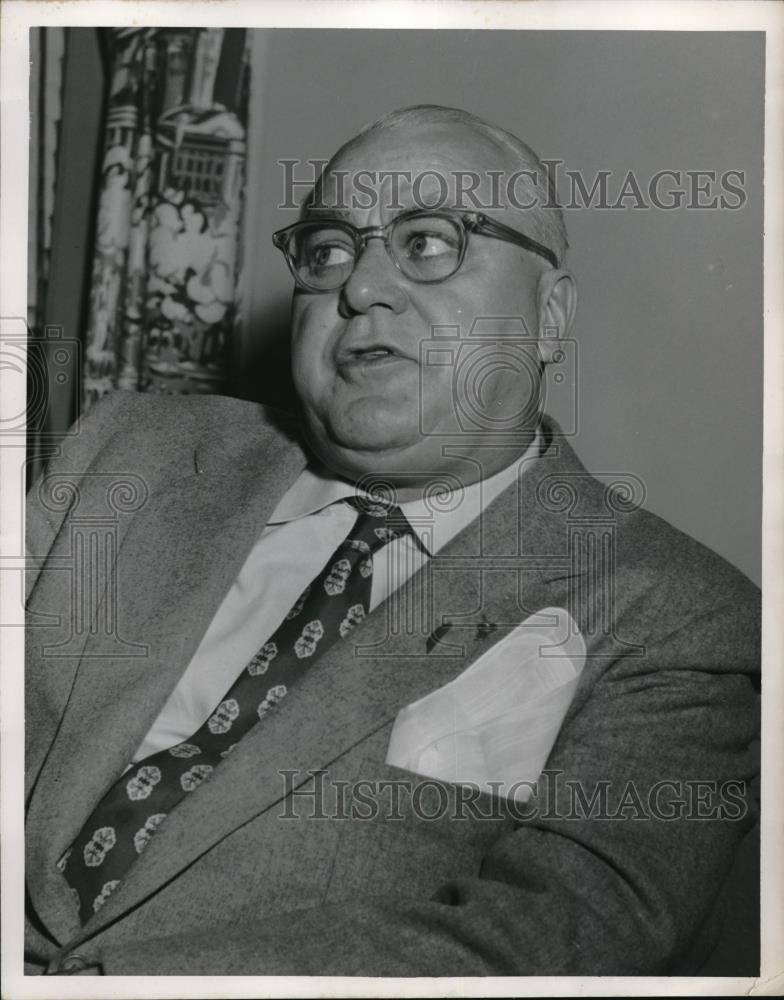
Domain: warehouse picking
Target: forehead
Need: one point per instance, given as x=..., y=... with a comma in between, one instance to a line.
x=403, y=166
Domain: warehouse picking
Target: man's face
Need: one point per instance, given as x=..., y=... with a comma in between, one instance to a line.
x=370, y=402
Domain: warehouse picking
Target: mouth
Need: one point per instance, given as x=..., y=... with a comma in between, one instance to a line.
x=370, y=355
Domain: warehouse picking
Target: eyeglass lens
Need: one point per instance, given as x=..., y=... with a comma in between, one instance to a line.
x=425, y=248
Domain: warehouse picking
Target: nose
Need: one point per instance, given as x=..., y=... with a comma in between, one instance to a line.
x=375, y=281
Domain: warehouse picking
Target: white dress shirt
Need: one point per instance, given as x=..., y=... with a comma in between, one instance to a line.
x=304, y=530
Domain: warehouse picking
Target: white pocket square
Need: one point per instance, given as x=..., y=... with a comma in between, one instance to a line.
x=496, y=723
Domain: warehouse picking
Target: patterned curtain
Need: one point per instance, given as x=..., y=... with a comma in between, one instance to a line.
x=47, y=52
x=161, y=309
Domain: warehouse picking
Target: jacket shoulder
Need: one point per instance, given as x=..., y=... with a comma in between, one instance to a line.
x=650, y=552
x=142, y=428
x=680, y=567
x=659, y=586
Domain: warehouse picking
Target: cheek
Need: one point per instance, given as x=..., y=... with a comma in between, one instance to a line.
x=312, y=329
x=512, y=393
x=497, y=292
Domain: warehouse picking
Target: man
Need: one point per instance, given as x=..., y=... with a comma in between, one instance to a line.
x=233, y=562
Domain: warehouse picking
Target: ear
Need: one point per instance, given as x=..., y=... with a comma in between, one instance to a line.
x=557, y=305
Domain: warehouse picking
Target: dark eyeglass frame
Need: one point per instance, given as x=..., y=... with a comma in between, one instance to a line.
x=468, y=223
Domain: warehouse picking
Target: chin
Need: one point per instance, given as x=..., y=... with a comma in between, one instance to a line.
x=375, y=428
x=369, y=452
x=359, y=448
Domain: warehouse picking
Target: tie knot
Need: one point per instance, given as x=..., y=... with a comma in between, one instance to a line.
x=379, y=521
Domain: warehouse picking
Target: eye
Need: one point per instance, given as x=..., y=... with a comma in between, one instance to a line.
x=330, y=255
x=427, y=244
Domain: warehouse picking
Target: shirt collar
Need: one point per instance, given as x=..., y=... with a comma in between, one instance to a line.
x=434, y=522
x=315, y=489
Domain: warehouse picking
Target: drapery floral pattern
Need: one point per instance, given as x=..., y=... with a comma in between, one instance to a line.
x=161, y=309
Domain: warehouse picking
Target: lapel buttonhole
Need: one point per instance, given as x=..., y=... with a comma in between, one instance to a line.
x=436, y=636
x=485, y=629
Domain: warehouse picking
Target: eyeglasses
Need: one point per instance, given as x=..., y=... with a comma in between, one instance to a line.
x=425, y=246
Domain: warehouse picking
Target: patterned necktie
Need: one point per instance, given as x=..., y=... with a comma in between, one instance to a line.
x=121, y=825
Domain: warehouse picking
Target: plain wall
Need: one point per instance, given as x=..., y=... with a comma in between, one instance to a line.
x=669, y=326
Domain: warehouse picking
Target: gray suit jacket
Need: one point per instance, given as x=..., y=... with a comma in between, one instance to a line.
x=137, y=532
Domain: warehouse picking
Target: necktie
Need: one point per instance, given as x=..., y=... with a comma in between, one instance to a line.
x=121, y=825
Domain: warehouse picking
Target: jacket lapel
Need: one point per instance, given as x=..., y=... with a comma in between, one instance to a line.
x=510, y=562
x=189, y=540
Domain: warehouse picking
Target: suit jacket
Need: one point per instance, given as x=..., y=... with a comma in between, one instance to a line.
x=275, y=867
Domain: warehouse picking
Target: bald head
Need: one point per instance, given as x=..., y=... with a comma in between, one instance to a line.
x=500, y=174
x=486, y=250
